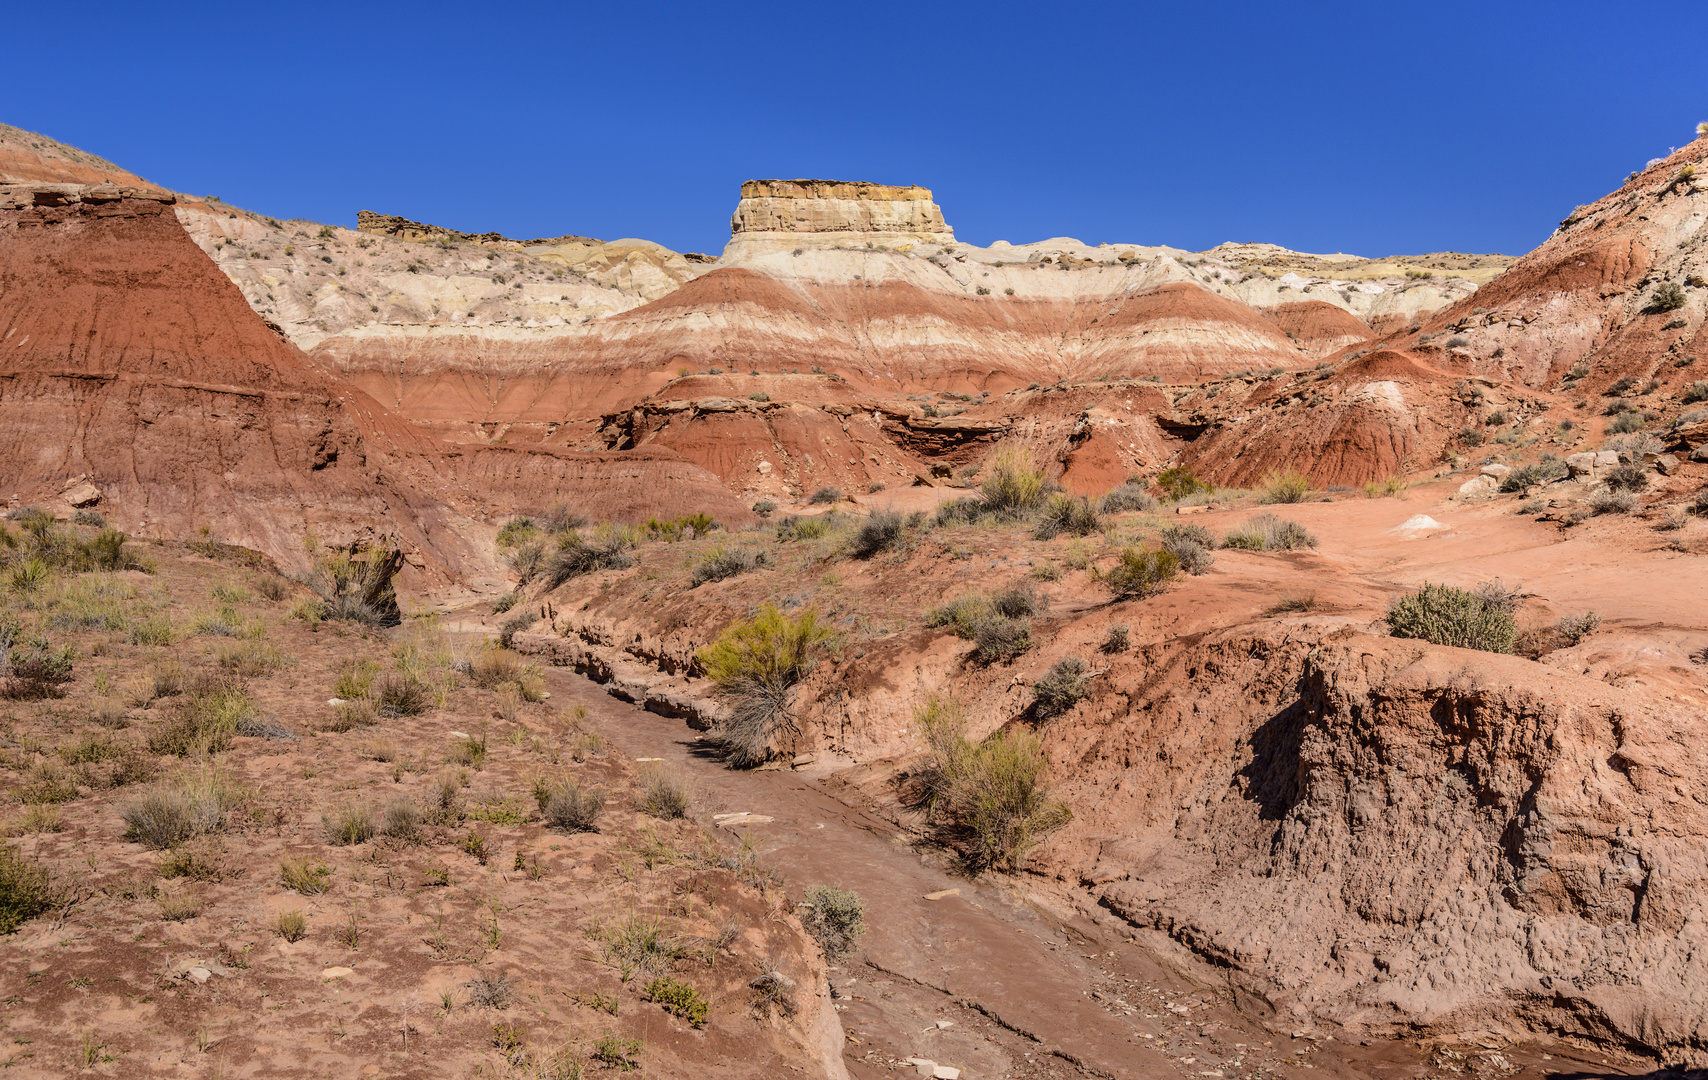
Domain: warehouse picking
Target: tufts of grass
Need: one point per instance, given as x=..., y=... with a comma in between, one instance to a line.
x=349, y=824
x=307, y=875
x=27, y=888
x=679, y=998
x=662, y=793
x=1287, y=486
x=1266, y=532
x=1141, y=573
x=171, y=813
x=1065, y=685
x=291, y=925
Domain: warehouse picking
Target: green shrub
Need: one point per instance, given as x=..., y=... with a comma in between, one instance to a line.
x=32, y=669
x=1669, y=296
x=1001, y=638
x=1179, y=482
x=1289, y=486
x=1066, y=514
x=1266, y=532
x=617, y=1051
x=27, y=889
x=835, y=917
x=1444, y=615
x=1061, y=688
x=764, y=508
x=306, y=875
x=1141, y=573
x=680, y=998
x=988, y=800
x=755, y=664
x=516, y=531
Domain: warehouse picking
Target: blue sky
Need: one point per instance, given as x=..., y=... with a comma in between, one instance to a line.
x=1368, y=128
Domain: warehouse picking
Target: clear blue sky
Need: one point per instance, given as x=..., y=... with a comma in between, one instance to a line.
x=1365, y=127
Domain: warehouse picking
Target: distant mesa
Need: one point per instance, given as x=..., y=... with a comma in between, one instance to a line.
x=391, y=225
x=777, y=213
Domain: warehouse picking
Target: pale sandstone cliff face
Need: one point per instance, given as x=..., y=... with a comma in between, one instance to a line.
x=784, y=214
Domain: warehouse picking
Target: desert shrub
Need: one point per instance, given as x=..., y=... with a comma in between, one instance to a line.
x=1178, y=482
x=662, y=793
x=606, y=549
x=680, y=998
x=561, y=518
x=881, y=531
x=509, y=628
x=1191, y=546
x=755, y=664
x=1386, y=487
x=401, y=821
x=1668, y=296
x=490, y=991
x=1696, y=391
x=306, y=875
x=1572, y=629
x=27, y=889
x=506, y=602
x=1001, y=638
x=1288, y=486
x=805, y=528
x=826, y=496
x=1019, y=602
x=1128, y=497
x=91, y=518
x=617, y=1051
x=1628, y=420
x=726, y=563
x=570, y=807
x=962, y=614
x=210, y=711
x=1014, y=486
x=350, y=715
x=169, y=814
x=764, y=508
x=1065, y=514
x=517, y=531
x=988, y=800
x=1627, y=476
x=358, y=585
x=1445, y=615
x=835, y=917
x=1545, y=471
x=355, y=677
x=1266, y=532
x=32, y=669
x=349, y=824
x=526, y=560
x=396, y=694
x=1061, y=688
x=1607, y=500
x=1634, y=446
x=1140, y=573
x=1117, y=639
x=291, y=925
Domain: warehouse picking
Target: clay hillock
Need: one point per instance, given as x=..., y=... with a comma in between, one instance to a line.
x=1617, y=293
x=1319, y=329
x=26, y=157
x=133, y=366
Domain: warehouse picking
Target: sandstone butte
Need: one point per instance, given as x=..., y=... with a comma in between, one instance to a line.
x=1288, y=826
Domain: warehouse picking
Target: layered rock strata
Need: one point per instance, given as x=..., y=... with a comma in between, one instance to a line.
x=782, y=214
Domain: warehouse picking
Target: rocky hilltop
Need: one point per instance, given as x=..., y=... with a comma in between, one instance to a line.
x=782, y=214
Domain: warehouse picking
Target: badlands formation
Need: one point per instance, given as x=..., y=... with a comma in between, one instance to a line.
x=1275, y=828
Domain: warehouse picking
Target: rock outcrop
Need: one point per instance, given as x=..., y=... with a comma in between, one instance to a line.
x=368, y=221
x=782, y=214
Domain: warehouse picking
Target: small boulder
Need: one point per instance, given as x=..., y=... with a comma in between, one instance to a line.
x=1479, y=487
x=1497, y=471
x=1581, y=464
x=1666, y=464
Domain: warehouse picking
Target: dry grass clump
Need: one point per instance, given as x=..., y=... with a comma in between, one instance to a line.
x=569, y=806
x=210, y=711
x=726, y=562
x=291, y=925
x=988, y=800
x=401, y=821
x=883, y=530
x=358, y=585
x=1266, y=532
x=1065, y=685
x=995, y=624
x=396, y=694
x=1286, y=486
x=662, y=793
x=1191, y=546
x=606, y=549
x=1065, y=514
x=169, y=814
x=755, y=664
x=349, y=824
x=1128, y=497
x=306, y=875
